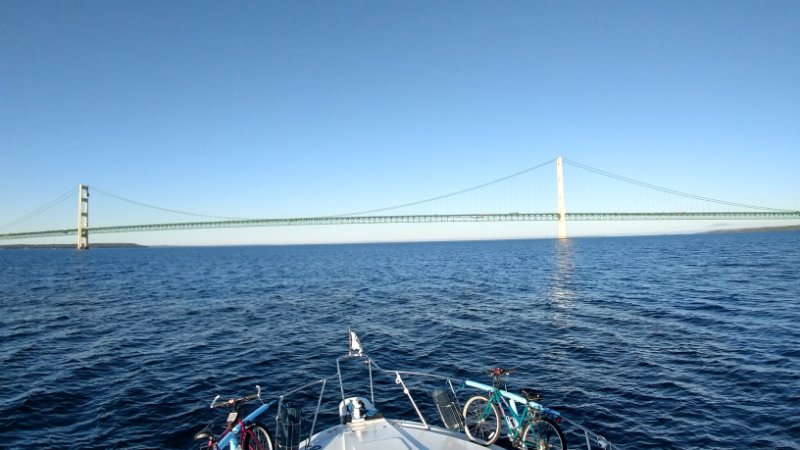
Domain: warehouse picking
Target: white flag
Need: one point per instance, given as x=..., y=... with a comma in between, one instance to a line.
x=355, y=346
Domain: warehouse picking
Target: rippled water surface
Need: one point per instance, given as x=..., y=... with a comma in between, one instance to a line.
x=656, y=342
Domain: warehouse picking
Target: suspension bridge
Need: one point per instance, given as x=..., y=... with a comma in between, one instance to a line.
x=561, y=215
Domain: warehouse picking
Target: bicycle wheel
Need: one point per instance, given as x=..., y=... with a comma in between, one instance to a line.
x=543, y=434
x=258, y=438
x=481, y=420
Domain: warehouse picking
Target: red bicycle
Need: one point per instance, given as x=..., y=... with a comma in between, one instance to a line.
x=245, y=434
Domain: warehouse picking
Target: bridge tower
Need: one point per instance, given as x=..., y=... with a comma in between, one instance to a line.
x=562, y=209
x=83, y=217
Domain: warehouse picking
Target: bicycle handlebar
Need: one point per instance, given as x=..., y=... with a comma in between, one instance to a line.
x=231, y=402
x=499, y=371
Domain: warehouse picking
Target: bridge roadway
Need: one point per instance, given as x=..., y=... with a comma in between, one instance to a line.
x=420, y=218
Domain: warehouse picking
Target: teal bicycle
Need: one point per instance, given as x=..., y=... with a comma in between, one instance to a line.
x=531, y=427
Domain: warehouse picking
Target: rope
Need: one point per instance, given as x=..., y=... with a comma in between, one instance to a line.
x=670, y=191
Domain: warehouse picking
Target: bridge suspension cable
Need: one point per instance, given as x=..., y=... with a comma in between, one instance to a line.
x=670, y=191
x=357, y=213
x=51, y=204
x=451, y=194
x=94, y=189
x=762, y=213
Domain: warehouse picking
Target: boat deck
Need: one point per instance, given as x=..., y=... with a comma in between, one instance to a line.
x=386, y=434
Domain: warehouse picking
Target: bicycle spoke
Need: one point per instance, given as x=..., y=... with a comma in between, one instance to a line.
x=543, y=434
x=481, y=420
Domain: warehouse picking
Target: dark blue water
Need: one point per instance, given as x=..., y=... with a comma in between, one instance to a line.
x=656, y=342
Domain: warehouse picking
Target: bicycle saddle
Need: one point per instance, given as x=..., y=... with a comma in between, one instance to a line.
x=531, y=395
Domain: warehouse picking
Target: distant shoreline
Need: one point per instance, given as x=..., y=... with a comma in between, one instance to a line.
x=132, y=245
x=756, y=230
x=72, y=246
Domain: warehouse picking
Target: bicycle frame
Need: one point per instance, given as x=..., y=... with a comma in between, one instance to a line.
x=515, y=397
x=509, y=411
x=514, y=421
x=232, y=437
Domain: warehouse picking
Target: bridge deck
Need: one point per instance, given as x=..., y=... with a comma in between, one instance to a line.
x=419, y=218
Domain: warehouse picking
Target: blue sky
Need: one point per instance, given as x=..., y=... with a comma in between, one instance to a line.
x=286, y=109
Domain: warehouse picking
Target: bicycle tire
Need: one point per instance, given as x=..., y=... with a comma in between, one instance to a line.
x=546, y=435
x=481, y=420
x=257, y=438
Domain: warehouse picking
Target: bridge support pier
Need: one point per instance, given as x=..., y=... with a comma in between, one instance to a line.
x=83, y=217
x=562, y=209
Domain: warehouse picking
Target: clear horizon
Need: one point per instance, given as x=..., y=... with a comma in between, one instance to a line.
x=318, y=109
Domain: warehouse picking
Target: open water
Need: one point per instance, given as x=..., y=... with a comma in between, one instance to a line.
x=654, y=342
